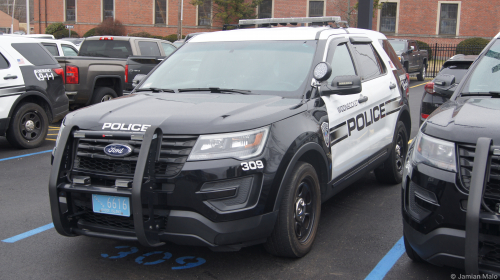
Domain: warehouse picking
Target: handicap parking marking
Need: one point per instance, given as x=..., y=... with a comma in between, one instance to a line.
x=28, y=233
x=27, y=155
x=387, y=262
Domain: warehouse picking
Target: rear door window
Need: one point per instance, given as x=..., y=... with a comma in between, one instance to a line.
x=369, y=60
x=4, y=64
x=69, y=51
x=52, y=48
x=149, y=48
x=105, y=48
x=35, y=53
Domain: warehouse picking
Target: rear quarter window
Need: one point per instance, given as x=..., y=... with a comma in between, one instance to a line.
x=34, y=53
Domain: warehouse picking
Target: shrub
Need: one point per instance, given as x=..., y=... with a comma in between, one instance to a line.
x=64, y=34
x=171, y=37
x=472, y=45
x=90, y=32
x=425, y=46
x=141, y=34
x=54, y=27
x=110, y=27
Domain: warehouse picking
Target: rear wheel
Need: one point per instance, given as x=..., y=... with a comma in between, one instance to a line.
x=298, y=218
x=391, y=172
x=103, y=94
x=28, y=126
x=423, y=73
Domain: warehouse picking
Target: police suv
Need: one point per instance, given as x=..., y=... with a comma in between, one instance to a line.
x=31, y=91
x=236, y=139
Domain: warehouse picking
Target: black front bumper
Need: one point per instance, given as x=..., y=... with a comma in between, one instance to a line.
x=444, y=220
x=183, y=208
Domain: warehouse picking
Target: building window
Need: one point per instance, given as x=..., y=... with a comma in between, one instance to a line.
x=265, y=9
x=108, y=9
x=316, y=8
x=205, y=13
x=388, y=17
x=70, y=10
x=448, y=19
x=161, y=11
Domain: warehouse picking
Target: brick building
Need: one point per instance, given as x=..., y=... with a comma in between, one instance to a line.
x=6, y=22
x=425, y=20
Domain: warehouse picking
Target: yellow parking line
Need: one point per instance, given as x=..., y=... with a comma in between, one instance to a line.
x=50, y=139
x=418, y=85
x=54, y=127
x=409, y=142
x=51, y=134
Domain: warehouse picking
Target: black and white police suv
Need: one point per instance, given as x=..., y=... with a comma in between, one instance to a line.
x=451, y=184
x=235, y=139
x=31, y=91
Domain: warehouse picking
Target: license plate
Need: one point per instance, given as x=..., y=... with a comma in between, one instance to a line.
x=111, y=205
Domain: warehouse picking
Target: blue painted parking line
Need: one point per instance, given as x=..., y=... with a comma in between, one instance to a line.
x=387, y=262
x=28, y=233
x=26, y=155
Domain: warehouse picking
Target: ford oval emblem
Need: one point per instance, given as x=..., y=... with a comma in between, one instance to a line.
x=118, y=150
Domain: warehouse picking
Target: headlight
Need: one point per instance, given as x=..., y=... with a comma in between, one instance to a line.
x=434, y=152
x=239, y=145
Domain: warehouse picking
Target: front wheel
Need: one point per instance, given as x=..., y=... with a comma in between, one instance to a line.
x=28, y=126
x=299, y=213
x=391, y=172
x=422, y=74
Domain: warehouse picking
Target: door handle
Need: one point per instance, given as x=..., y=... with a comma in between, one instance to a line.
x=362, y=99
x=10, y=77
x=392, y=86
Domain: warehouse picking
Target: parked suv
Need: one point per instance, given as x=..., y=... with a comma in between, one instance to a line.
x=442, y=87
x=31, y=91
x=234, y=140
x=451, y=183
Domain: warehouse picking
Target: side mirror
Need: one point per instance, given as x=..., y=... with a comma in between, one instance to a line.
x=322, y=71
x=138, y=79
x=412, y=48
x=342, y=85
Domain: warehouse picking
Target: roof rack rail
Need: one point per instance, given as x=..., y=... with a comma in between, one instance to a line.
x=286, y=21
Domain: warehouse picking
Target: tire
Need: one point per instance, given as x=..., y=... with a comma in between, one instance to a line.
x=299, y=214
x=103, y=94
x=411, y=253
x=28, y=126
x=391, y=172
x=423, y=73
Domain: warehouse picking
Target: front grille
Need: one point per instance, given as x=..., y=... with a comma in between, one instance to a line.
x=91, y=160
x=466, y=161
x=489, y=252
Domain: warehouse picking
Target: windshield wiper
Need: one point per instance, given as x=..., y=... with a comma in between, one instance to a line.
x=491, y=92
x=155, y=89
x=216, y=90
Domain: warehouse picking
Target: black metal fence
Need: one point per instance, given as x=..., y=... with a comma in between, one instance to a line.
x=439, y=53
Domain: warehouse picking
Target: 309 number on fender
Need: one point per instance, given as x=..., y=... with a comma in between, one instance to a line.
x=252, y=165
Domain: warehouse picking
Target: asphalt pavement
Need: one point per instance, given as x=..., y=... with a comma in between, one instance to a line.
x=359, y=235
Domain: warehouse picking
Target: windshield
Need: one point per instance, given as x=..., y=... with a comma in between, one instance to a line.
x=486, y=75
x=398, y=46
x=262, y=67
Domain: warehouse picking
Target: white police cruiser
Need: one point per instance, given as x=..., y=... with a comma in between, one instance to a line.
x=236, y=139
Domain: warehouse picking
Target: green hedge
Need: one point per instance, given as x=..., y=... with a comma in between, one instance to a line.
x=89, y=33
x=54, y=27
x=472, y=46
x=140, y=34
x=425, y=46
x=64, y=34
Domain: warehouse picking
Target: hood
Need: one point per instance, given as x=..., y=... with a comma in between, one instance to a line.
x=464, y=120
x=187, y=113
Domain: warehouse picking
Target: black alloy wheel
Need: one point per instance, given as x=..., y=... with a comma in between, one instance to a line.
x=28, y=126
x=304, y=210
x=31, y=125
x=391, y=171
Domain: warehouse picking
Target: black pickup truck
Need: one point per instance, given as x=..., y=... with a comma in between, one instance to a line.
x=413, y=59
x=97, y=74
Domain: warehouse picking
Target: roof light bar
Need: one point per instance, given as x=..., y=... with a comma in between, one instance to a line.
x=285, y=21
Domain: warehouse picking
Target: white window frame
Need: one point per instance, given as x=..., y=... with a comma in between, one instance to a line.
x=459, y=9
x=379, y=14
x=211, y=14
x=76, y=10
x=102, y=10
x=324, y=7
x=154, y=12
x=272, y=10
